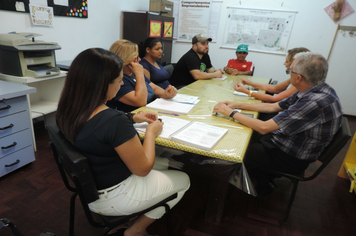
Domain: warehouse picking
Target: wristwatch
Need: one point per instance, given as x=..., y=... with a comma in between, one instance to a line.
x=250, y=95
x=233, y=113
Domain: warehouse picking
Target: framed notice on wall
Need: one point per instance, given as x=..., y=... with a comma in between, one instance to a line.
x=168, y=30
x=262, y=30
x=155, y=28
x=194, y=19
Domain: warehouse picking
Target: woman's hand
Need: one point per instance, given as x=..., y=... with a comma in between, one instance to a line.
x=148, y=117
x=171, y=91
x=155, y=127
x=245, y=81
x=240, y=88
x=136, y=68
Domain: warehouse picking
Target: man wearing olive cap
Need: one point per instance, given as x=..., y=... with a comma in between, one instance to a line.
x=195, y=64
x=240, y=66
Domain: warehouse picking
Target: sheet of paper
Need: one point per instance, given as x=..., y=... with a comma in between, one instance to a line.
x=39, y=2
x=184, y=98
x=61, y=2
x=171, y=126
x=167, y=105
x=200, y=135
x=222, y=78
x=240, y=94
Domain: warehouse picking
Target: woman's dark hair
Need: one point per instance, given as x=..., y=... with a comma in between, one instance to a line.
x=85, y=88
x=148, y=43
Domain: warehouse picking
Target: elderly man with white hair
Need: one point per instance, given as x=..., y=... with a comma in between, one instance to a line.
x=304, y=126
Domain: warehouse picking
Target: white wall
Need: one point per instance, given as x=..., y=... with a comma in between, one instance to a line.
x=312, y=29
x=100, y=29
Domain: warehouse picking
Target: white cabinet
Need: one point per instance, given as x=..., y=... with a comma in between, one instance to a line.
x=49, y=89
x=16, y=139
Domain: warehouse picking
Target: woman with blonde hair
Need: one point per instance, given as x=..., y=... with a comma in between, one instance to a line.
x=137, y=90
x=121, y=165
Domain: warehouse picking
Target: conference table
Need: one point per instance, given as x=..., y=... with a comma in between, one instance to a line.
x=224, y=163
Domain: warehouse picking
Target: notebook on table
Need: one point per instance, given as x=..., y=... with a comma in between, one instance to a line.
x=192, y=133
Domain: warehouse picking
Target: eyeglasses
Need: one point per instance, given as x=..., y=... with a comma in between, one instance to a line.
x=136, y=58
x=242, y=53
x=290, y=71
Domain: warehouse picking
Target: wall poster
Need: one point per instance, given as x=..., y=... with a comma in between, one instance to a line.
x=168, y=30
x=155, y=28
x=194, y=19
x=262, y=30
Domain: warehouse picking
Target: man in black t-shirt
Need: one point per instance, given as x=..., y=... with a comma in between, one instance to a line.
x=195, y=64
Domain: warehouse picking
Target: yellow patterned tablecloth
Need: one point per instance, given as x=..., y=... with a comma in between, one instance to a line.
x=233, y=145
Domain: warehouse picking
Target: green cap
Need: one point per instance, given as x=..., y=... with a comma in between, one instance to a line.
x=242, y=48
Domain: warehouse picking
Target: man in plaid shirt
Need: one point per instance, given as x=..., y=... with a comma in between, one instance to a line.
x=304, y=126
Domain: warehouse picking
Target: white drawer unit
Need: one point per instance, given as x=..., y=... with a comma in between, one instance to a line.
x=16, y=160
x=16, y=140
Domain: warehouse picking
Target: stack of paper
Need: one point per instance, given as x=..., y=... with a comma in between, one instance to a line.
x=183, y=98
x=192, y=133
x=171, y=106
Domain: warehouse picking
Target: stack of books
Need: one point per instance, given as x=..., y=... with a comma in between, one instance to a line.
x=181, y=103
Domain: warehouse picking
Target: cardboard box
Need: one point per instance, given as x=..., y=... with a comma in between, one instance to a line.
x=162, y=6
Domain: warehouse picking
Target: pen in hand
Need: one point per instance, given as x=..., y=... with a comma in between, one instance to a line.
x=167, y=113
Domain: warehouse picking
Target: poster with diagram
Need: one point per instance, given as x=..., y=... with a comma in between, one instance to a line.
x=262, y=30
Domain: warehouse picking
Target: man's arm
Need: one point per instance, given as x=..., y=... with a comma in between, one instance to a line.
x=231, y=71
x=263, y=127
x=198, y=75
x=244, y=72
x=259, y=107
x=211, y=69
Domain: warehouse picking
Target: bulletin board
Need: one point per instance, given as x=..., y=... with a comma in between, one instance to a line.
x=75, y=8
x=262, y=30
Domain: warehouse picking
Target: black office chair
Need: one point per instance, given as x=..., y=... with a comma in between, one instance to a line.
x=253, y=71
x=339, y=141
x=273, y=82
x=71, y=163
x=169, y=68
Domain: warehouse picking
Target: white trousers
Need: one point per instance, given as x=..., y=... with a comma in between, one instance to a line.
x=138, y=193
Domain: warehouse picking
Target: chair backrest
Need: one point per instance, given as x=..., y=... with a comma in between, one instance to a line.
x=337, y=143
x=70, y=161
x=169, y=68
x=253, y=71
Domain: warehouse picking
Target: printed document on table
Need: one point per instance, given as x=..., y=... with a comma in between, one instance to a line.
x=192, y=133
x=171, y=125
x=167, y=105
x=200, y=135
x=184, y=98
